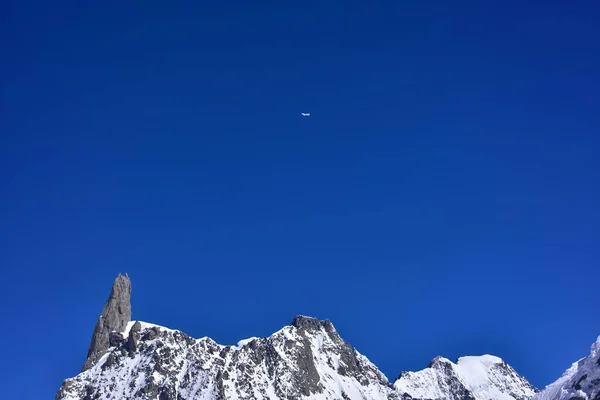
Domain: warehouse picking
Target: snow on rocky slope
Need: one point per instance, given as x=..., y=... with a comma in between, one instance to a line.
x=580, y=382
x=306, y=360
x=470, y=378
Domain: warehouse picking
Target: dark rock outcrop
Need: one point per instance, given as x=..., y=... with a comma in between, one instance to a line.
x=114, y=318
x=134, y=336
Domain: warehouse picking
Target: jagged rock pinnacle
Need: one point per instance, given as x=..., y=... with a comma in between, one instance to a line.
x=115, y=316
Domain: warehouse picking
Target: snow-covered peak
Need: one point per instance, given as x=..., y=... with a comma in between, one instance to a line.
x=476, y=372
x=581, y=381
x=307, y=359
x=439, y=362
x=473, y=377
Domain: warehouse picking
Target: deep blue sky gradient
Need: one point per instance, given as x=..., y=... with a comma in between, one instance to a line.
x=442, y=199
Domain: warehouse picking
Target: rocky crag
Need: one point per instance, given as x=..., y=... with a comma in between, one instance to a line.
x=114, y=318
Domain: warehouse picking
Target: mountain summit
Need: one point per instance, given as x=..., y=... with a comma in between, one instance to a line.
x=305, y=360
x=114, y=318
x=470, y=378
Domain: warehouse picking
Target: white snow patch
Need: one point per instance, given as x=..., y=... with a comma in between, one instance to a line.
x=244, y=342
x=474, y=370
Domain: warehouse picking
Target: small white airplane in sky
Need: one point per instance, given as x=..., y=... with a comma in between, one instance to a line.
x=305, y=114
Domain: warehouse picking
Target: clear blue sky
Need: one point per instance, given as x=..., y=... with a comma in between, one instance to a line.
x=442, y=199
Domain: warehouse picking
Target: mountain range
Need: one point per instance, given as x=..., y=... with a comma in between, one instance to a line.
x=308, y=359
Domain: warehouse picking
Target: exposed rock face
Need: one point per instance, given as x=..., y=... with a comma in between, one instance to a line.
x=114, y=318
x=470, y=378
x=580, y=382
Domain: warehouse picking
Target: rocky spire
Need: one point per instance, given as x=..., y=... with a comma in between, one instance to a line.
x=115, y=316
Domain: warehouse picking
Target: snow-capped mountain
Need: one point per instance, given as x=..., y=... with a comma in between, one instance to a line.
x=474, y=378
x=580, y=382
x=306, y=360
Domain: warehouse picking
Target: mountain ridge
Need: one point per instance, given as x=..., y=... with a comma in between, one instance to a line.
x=581, y=381
x=307, y=359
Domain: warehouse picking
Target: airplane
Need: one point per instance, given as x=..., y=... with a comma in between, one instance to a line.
x=305, y=114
